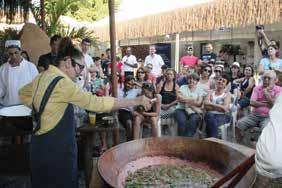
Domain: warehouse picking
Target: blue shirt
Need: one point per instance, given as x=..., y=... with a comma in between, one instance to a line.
x=267, y=66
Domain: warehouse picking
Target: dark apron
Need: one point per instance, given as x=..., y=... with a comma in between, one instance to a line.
x=53, y=156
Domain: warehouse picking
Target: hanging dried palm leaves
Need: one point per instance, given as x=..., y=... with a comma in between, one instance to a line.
x=14, y=11
x=209, y=16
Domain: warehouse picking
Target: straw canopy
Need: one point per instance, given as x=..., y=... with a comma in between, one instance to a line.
x=208, y=16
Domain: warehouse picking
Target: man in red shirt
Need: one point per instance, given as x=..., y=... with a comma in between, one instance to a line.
x=189, y=60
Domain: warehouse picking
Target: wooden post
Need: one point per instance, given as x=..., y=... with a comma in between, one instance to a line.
x=113, y=46
x=42, y=14
x=113, y=60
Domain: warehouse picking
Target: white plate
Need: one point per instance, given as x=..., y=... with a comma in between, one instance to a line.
x=15, y=111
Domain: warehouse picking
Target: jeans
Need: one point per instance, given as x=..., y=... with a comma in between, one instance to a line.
x=187, y=124
x=213, y=121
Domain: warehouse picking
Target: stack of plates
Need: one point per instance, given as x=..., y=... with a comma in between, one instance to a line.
x=15, y=111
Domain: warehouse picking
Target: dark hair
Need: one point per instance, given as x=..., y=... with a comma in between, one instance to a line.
x=108, y=49
x=226, y=77
x=96, y=59
x=205, y=66
x=164, y=67
x=67, y=49
x=172, y=70
x=194, y=76
x=146, y=75
x=149, y=86
x=26, y=54
x=250, y=66
x=87, y=40
x=118, y=58
x=276, y=42
x=273, y=46
x=55, y=38
x=128, y=78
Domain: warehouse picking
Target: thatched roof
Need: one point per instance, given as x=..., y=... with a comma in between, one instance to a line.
x=208, y=16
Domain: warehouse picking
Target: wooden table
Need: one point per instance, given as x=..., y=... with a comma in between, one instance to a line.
x=14, y=157
x=88, y=132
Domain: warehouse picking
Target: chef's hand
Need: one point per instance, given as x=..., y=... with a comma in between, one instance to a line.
x=145, y=102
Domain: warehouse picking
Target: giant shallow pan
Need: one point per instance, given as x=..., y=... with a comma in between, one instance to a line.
x=219, y=155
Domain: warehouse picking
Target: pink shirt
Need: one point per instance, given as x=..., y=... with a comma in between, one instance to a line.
x=191, y=61
x=258, y=95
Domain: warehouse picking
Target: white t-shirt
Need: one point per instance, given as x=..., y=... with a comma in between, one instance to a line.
x=88, y=60
x=269, y=145
x=130, y=94
x=14, y=78
x=130, y=60
x=84, y=75
x=157, y=62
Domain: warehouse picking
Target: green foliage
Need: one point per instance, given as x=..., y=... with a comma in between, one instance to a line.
x=9, y=34
x=77, y=33
x=89, y=10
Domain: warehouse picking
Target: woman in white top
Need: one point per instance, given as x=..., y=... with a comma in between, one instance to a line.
x=217, y=105
x=272, y=62
x=204, y=82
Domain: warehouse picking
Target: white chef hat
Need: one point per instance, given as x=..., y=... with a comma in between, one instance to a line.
x=13, y=43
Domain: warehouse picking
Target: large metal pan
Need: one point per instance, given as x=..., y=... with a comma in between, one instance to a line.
x=219, y=155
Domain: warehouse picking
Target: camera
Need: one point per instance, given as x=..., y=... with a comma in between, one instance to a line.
x=258, y=27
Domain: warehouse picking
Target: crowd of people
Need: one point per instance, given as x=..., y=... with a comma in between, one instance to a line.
x=205, y=91
x=202, y=96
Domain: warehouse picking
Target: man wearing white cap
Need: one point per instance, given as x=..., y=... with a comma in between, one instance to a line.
x=14, y=74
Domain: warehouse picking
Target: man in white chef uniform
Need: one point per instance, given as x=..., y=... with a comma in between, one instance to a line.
x=269, y=150
x=14, y=74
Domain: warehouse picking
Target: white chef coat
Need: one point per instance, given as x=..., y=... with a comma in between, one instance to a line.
x=269, y=145
x=157, y=62
x=13, y=78
x=130, y=60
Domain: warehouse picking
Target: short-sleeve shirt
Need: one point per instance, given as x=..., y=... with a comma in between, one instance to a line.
x=130, y=94
x=130, y=60
x=208, y=57
x=157, y=62
x=258, y=95
x=190, y=61
x=186, y=92
x=267, y=65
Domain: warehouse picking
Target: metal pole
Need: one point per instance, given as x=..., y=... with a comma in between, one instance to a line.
x=176, y=61
x=113, y=46
x=42, y=14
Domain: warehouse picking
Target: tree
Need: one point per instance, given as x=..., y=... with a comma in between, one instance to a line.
x=89, y=10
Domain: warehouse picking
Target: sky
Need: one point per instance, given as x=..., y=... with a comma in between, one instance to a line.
x=130, y=9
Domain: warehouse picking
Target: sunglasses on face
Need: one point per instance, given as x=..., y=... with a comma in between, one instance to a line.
x=81, y=67
x=207, y=70
x=266, y=77
x=150, y=67
x=218, y=71
x=222, y=80
x=140, y=72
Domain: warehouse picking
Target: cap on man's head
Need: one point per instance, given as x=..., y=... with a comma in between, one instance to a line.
x=235, y=64
x=13, y=44
x=219, y=65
